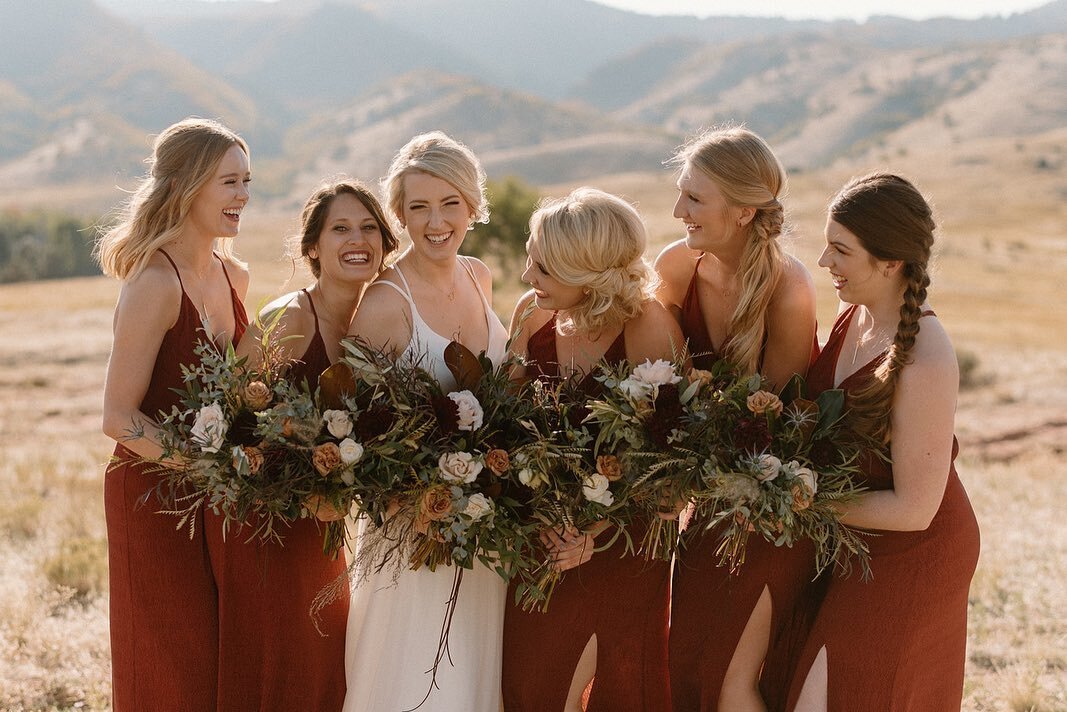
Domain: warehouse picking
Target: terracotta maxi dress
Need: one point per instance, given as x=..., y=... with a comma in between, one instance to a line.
x=710, y=606
x=897, y=642
x=620, y=598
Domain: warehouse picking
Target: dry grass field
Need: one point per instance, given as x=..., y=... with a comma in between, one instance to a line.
x=999, y=288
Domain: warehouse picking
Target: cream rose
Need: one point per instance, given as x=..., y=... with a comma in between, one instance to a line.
x=478, y=506
x=256, y=395
x=351, y=451
x=767, y=467
x=764, y=402
x=532, y=479
x=337, y=422
x=458, y=467
x=470, y=410
x=595, y=489
x=209, y=428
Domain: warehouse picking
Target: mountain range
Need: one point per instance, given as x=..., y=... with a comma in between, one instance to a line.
x=558, y=90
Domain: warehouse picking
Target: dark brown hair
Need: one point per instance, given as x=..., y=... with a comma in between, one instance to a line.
x=892, y=221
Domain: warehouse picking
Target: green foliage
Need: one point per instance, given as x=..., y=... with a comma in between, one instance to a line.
x=504, y=239
x=43, y=245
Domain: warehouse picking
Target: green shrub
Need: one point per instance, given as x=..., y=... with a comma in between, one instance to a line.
x=44, y=246
x=511, y=203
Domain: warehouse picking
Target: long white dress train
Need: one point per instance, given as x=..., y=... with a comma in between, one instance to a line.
x=395, y=619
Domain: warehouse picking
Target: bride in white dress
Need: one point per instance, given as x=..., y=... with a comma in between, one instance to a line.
x=436, y=189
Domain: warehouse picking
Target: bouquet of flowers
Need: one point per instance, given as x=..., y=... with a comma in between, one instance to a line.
x=774, y=466
x=649, y=420
x=455, y=502
x=263, y=451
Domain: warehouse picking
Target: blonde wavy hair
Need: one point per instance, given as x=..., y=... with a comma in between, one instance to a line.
x=439, y=155
x=596, y=241
x=184, y=158
x=892, y=221
x=748, y=173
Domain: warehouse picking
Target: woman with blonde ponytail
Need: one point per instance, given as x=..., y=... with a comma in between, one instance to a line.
x=897, y=641
x=591, y=301
x=740, y=299
x=176, y=290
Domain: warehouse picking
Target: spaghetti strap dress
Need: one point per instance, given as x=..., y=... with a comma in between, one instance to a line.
x=896, y=642
x=710, y=606
x=395, y=619
x=163, y=598
x=271, y=655
x=620, y=598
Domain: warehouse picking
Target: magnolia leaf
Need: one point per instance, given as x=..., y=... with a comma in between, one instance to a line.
x=464, y=365
x=831, y=405
x=795, y=388
x=335, y=383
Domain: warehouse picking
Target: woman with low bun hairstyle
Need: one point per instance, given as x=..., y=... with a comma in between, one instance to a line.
x=897, y=641
x=176, y=290
x=592, y=301
x=741, y=299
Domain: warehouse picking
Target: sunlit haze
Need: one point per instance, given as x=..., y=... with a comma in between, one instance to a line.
x=858, y=10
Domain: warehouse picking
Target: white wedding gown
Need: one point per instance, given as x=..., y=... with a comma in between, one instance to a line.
x=395, y=619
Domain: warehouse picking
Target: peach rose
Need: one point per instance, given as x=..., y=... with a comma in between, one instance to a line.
x=700, y=376
x=608, y=465
x=497, y=460
x=256, y=395
x=436, y=503
x=254, y=457
x=326, y=458
x=764, y=401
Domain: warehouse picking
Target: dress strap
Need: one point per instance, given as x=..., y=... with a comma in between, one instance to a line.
x=928, y=312
x=224, y=270
x=402, y=291
x=314, y=312
x=180, y=283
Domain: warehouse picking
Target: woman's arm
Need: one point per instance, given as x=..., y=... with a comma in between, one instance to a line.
x=525, y=320
x=674, y=266
x=653, y=335
x=383, y=318
x=923, y=418
x=790, y=326
x=148, y=306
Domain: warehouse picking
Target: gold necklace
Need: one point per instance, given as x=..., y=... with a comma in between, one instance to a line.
x=450, y=295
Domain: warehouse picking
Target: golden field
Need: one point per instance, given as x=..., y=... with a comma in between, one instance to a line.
x=998, y=287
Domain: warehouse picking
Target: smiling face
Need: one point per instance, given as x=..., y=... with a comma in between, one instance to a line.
x=435, y=214
x=855, y=272
x=710, y=221
x=216, y=208
x=550, y=294
x=349, y=247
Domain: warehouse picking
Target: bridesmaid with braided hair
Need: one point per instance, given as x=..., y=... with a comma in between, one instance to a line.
x=896, y=642
x=738, y=298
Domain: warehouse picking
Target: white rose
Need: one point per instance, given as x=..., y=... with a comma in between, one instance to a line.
x=351, y=451
x=470, y=410
x=209, y=428
x=659, y=373
x=338, y=423
x=531, y=479
x=635, y=389
x=478, y=506
x=458, y=467
x=767, y=467
x=595, y=489
x=808, y=478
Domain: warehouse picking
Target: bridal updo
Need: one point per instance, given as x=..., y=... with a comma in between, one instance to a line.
x=439, y=155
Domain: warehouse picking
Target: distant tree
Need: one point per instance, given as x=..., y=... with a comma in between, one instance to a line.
x=44, y=245
x=503, y=240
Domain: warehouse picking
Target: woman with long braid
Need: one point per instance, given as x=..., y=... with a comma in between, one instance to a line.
x=897, y=641
x=739, y=298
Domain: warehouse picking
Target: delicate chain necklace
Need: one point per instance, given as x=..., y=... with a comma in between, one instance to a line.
x=450, y=294
x=881, y=340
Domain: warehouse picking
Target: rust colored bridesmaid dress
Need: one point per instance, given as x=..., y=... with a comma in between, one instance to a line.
x=710, y=607
x=163, y=598
x=897, y=642
x=271, y=656
x=620, y=598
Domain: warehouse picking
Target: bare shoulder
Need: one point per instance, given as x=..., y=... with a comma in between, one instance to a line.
x=932, y=355
x=796, y=280
x=674, y=266
x=238, y=275
x=292, y=312
x=157, y=289
x=384, y=314
x=481, y=272
x=654, y=333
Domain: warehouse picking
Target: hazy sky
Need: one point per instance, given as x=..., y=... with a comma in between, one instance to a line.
x=829, y=9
